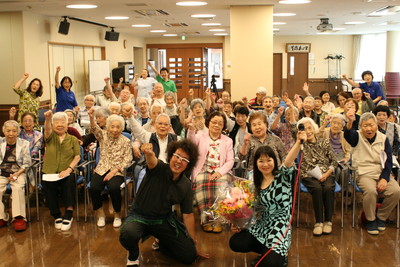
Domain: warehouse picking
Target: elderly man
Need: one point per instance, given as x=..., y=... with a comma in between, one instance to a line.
x=363, y=105
x=372, y=157
x=158, y=95
x=108, y=95
x=83, y=116
x=257, y=102
x=308, y=110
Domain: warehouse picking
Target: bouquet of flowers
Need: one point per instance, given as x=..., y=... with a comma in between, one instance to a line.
x=235, y=204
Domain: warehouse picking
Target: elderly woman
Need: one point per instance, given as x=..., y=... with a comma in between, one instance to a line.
x=198, y=113
x=29, y=98
x=114, y=108
x=260, y=137
x=144, y=85
x=215, y=161
x=350, y=105
x=269, y=111
x=319, y=154
x=143, y=115
x=391, y=130
x=166, y=184
x=340, y=100
x=115, y=156
x=334, y=134
x=15, y=158
x=72, y=122
x=61, y=157
x=101, y=116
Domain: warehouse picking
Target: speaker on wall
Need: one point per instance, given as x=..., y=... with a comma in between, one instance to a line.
x=64, y=27
x=112, y=36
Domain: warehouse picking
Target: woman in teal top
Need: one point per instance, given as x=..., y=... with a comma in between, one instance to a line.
x=274, y=193
x=29, y=98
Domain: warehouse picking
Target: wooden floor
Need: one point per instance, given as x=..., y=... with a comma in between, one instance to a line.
x=87, y=245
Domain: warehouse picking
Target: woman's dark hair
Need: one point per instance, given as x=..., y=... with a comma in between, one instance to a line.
x=39, y=92
x=266, y=151
x=187, y=146
x=241, y=110
x=236, y=103
x=215, y=114
x=343, y=94
x=322, y=93
x=381, y=109
x=64, y=78
x=28, y=114
x=366, y=73
x=148, y=73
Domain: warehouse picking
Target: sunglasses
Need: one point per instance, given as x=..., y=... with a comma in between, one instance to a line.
x=181, y=158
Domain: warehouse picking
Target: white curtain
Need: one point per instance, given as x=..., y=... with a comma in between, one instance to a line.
x=371, y=56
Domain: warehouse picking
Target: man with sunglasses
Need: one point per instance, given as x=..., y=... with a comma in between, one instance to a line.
x=152, y=215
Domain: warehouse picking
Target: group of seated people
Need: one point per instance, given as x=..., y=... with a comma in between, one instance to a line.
x=189, y=150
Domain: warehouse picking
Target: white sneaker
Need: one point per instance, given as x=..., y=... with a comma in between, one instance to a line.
x=317, y=229
x=133, y=263
x=58, y=223
x=101, y=222
x=66, y=224
x=117, y=222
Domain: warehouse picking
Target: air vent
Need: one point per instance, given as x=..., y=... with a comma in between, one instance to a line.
x=152, y=13
x=136, y=4
x=176, y=24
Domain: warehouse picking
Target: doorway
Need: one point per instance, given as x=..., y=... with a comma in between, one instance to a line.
x=277, y=74
x=297, y=72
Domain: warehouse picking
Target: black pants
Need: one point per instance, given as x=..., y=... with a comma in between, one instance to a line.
x=66, y=187
x=114, y=189
x=323, y=196
x=245, y=242
x=180, y=247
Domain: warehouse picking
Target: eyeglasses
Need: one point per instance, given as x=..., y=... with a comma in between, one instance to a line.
x=180, y=158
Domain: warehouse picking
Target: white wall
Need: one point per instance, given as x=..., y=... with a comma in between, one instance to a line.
x=26, y=37
x=321, y=46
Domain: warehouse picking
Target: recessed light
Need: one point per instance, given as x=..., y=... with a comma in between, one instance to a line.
x=275, y=29
x=284, y=14
x=141, y=25
x=191, y=3
x=279, y=23
x=82, y=6
x=203, y=16
x=354, y=22
x=170, y=34
x=323, y=33
x=221, y=34
x=211, y=24
x=338, y=29
x=294, y=2
x=158, y=31
x=216, y=30
x=116, y=17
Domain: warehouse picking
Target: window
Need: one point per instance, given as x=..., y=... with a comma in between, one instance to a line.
x=372, y=56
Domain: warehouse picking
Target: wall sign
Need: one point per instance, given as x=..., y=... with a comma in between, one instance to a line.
x=298, y=48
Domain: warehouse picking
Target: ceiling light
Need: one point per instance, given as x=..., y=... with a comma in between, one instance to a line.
x=294, y=2
x=82, y=6
x=216, y=30
x=203, y=16
x=275, y=29
x=323, y=33
x=116, y=17
x=158, y=31
x=221, y=34
x=279, y=23
x=284, y=14
x=211, y=24
x=338, y=29
x=141, y=25
x=191, y=3
x=170, y=34
x=354, y=22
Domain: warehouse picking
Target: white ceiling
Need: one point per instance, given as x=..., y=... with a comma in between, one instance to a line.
x=304, y=23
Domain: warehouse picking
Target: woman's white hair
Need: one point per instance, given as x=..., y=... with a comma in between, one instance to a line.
x=115, y=117
x=164, y=115
x=11, y=123
x=129, y=104
x=59, y=116
x=195, y=102
x=310, y=121
x=157, y=106
x=114, y=104
x=341, y=117
x=143, y=99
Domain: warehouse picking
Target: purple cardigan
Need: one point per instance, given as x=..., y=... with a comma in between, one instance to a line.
x=202, y=140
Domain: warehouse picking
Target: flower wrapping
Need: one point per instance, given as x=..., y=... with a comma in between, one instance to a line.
x=234, y=204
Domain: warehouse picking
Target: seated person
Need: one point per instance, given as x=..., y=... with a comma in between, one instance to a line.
x=372, y=157
x=363, y=100
x=257, y=102
x=15, y=158
x=83, y=116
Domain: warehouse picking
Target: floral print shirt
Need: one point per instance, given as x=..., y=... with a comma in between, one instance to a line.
x=28, y=102
x=213, y=156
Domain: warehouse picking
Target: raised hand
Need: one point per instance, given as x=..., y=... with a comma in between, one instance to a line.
x=281, y=109
x=344, y=76
x=305, y=87
x=208, y=92
x=147, y=149
x=25, y=76
x=246, y=139
x=48, y=114
x=58, y=69
x=91, y=112
x=190, y=92
x=107, y=79
x=12, y=112
x=367, y=95
x=121, y=79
